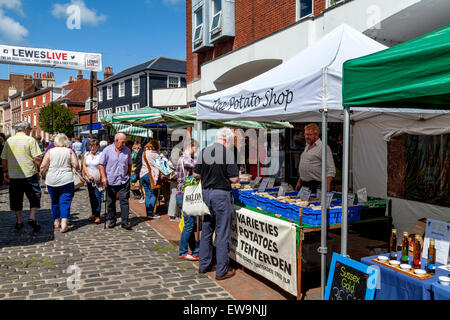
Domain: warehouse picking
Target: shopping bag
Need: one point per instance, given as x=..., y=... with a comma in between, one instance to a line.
x=163, y=164
x=77, y=179
x=193, y=204
x=181, y=224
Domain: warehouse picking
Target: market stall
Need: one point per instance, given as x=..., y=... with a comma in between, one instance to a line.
x=412, y=78
x=305, y=88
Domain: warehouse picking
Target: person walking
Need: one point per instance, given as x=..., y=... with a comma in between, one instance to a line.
x=217, y=169
x=59, y=179
x=138, y=168
x=93, y=179
x=185, y=168
x=21, y=158
x=76, y=146
x=310, y=166
x=115, y=170
x=149, y=177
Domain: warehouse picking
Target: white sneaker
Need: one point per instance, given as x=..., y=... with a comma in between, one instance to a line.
x=154, y=216
x=174, y=219
x=141, y=200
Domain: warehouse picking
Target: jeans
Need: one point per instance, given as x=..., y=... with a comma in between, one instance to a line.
x=188, y=234
x=61, y=200
x=124, y=194
x=95, y=198
x=150, y=194
x=219, y=204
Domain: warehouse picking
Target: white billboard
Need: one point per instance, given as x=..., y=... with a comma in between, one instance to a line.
x=50, y=58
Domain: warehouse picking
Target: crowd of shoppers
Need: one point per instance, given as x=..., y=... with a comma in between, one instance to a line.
x=109, y=168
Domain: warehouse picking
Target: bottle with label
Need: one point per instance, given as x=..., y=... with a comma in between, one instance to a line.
x=405, y=246
x=393, y=245
x=417, y=252
x=431, y=261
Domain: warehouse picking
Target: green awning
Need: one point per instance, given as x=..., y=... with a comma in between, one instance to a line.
x=414, y=74
x=187, y=117
x=151, y=114
x=132, y=130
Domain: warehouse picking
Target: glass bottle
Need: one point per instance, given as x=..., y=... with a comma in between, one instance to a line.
x=417, y=252
x=405, y=246
x=431, y=261
x=393, y=245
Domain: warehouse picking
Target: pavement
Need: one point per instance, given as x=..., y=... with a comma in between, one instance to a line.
x=90, y=262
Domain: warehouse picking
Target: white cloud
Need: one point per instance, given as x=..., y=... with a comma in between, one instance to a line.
x=11, y=30
x=88, y=16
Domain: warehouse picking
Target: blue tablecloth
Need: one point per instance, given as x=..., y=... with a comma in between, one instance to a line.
x=440, y=292
x=395, y=285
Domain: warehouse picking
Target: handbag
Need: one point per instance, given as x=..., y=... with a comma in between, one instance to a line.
x=154, y=185
x=77, y=179
x=193, y=204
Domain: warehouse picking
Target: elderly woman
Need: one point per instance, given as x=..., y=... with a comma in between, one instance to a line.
x=91, y=160
x=149, y=177
x=59, y=179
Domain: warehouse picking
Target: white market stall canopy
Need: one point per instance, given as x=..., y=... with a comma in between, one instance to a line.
x=308, y=82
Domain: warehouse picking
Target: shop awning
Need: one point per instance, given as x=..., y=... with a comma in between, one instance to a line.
x=148, y=113
x=131, y=130
x=414, y=74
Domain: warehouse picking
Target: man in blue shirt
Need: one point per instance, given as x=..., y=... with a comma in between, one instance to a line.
x=85, y=144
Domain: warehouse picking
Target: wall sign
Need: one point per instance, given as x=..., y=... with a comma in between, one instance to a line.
x=350, y=280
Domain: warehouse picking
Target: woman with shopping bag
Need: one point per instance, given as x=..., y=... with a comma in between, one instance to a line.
x=91, y=172
x=185, y=167
x=150, y=177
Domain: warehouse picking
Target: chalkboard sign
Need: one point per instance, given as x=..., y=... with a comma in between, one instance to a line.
x=350, y=280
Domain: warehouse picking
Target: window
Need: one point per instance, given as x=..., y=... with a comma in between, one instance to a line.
x=26, y=103
x=121, y=109
x=34, y=120
x=418, y=167
x=173, y=108
x=305, y=8
x=43, y=98
x=107, y=111
x=121, y=88
x=135, y=83
x=34, y=101
x=109, y=92
x=216, y=10
x=333, y=2
x=173, y=82
x=29, y=119
x=198, y=33
x=100, y=94
x=135, y=106
x=99, y=115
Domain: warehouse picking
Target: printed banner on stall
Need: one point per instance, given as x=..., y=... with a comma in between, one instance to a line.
x=266, y=246
x=50, y=58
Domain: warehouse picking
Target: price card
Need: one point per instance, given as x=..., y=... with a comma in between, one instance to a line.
x=350, y=199
x=362, y=195
x=330, y=196
x=253, y=183
x=271, y=183
x=263, y=185
x=304, y=194
x=440, y=232
x=282, y=191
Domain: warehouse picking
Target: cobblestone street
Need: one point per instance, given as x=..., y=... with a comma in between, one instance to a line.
x=114, y=263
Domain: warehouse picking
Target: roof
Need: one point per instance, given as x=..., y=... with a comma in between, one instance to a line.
x=157, y=64
x=80, y=91
x=34, y=94
x=15, y=95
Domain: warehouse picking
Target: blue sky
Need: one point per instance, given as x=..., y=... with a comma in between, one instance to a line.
x=125, y=32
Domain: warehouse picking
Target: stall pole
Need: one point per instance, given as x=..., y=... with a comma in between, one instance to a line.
x=199, y=126
x=344, y=220
x=299, y=256
x=323, y=243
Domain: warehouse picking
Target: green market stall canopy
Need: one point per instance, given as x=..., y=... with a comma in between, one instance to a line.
x=413, y=75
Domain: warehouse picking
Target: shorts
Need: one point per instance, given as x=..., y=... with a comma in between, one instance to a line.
x=30, y=186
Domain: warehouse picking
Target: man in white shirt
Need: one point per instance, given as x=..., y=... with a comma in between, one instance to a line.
x=310, y=167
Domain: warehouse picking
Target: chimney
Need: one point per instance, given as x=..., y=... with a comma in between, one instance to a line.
x=108, y=73
x=80, y=75
x=70, y=79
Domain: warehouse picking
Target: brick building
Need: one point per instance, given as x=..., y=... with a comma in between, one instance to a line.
x=16, y=81
x=229, y=42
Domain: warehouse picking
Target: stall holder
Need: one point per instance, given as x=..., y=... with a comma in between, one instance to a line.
x=396, y=285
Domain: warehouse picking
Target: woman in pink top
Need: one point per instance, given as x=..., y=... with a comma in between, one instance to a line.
x=148, y=156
